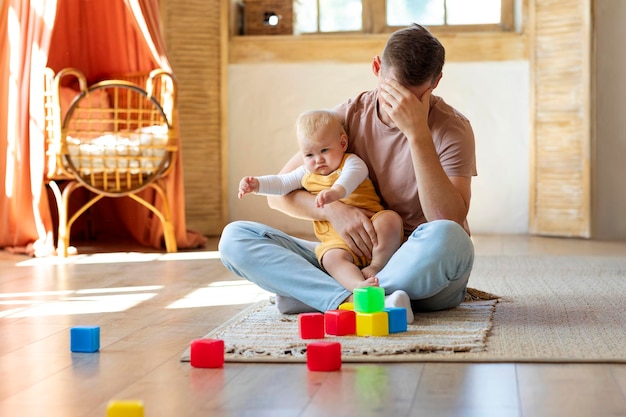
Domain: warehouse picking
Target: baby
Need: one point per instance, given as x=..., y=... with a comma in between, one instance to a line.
x=332, y=174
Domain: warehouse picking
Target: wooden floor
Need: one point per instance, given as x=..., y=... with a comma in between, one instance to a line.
x=149, y=306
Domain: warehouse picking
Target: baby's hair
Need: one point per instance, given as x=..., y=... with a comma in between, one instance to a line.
x=311, y=121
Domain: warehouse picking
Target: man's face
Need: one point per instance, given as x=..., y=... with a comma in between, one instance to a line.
x=389, y=73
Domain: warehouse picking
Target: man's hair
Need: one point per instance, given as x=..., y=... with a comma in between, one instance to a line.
x=311, y=121
x=414, y=54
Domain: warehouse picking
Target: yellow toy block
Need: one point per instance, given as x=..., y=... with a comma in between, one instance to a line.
x=131, y=408
x=372, y=324
x=347, y=306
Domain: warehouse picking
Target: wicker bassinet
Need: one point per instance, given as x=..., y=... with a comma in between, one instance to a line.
x=115, y=138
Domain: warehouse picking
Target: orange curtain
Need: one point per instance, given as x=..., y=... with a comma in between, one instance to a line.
x=83, y=35
x=25, y=33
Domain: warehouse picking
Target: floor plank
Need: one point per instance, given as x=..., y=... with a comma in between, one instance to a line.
x=574, y=390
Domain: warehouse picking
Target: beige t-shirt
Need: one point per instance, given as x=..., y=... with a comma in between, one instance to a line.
x=386, y=151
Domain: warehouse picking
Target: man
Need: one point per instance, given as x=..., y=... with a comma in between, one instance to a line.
x=421, y=157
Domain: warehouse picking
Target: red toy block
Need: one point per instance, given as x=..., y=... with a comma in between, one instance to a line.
x=323, y=356
x=207, y=353
x=311, y=325
x=340, y=322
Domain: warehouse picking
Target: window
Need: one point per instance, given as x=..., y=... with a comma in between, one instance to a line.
x=376, y=16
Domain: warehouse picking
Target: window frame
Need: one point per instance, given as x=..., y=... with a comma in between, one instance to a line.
x=479, y=44
x=374, y=21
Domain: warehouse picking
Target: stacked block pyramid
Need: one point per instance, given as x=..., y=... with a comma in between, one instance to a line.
x=366, y=316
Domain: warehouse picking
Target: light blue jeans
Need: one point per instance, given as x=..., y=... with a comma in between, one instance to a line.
x=432, y=266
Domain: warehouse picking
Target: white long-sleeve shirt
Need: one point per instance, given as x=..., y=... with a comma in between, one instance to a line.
x=354, y=172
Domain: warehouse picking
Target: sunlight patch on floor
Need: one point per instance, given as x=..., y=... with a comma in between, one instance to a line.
x=190, y=256
x=70, y=302
x=222, y=293
x=83, y=305
x=121, y=257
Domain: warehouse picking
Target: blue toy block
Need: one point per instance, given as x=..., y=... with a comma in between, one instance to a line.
x=85, y=339
x=397, y=319
x=369, y=299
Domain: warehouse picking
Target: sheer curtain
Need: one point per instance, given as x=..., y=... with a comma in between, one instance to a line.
x=80, y=34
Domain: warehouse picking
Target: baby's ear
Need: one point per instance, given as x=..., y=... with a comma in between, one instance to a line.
x=344, y=141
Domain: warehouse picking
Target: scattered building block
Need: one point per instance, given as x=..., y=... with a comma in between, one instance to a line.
x=311, y=325
x=369, y=299
x=323, y=356
x=397, y=319
x=128, y=408
x=340, y=322
x=347, y=306
x=85, y=339
x=372, y=324
x=207, y=353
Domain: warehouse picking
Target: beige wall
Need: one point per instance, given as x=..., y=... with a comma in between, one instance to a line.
x=264, y=100
x=609, y=185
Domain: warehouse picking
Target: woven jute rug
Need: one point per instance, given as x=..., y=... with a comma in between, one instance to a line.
x=547, y=309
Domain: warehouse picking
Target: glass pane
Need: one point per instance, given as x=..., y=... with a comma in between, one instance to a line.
x=463, y=12
x=424, y=12
x=305, y=16
x=340, y=15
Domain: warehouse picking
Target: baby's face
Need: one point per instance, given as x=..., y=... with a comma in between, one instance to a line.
x=323, y=151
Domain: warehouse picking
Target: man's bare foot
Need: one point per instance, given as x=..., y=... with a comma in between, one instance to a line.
x=369, y=282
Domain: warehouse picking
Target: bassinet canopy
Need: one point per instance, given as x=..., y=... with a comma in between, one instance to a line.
x=99, y=38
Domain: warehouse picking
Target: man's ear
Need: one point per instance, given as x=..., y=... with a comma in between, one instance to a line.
x=437, y=80
x=376, y=65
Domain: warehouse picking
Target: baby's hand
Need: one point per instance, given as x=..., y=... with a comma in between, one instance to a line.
x=327, y=197
x=248, y=185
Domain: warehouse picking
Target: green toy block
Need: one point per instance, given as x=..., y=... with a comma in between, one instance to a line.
x=372, y=324
x=369, y=299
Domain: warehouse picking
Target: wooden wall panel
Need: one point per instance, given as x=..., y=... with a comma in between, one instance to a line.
x=560, y=32
x=194, y=42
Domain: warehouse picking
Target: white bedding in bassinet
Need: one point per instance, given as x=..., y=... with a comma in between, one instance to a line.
x=139, y=151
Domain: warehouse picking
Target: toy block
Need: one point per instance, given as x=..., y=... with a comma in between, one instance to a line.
x=323, y=356
x=311, y=325
x=340, y=322
x=372, y=324
x=347, y=306
x=207, y=353
x=397, y=319
x=128, y=408
x=85, y=339
x=369, y=299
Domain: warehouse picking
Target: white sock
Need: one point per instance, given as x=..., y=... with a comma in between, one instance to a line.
x=289, y=305
x=400, y=298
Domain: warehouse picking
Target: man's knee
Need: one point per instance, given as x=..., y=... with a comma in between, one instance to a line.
x=447, y=238
x=231, y=240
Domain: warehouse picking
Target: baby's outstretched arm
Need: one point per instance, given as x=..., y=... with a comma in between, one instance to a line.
x=331, y=195
x=248, y=185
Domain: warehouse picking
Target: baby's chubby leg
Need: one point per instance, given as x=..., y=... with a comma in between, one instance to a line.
x=340, y=265
x=389, y=231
